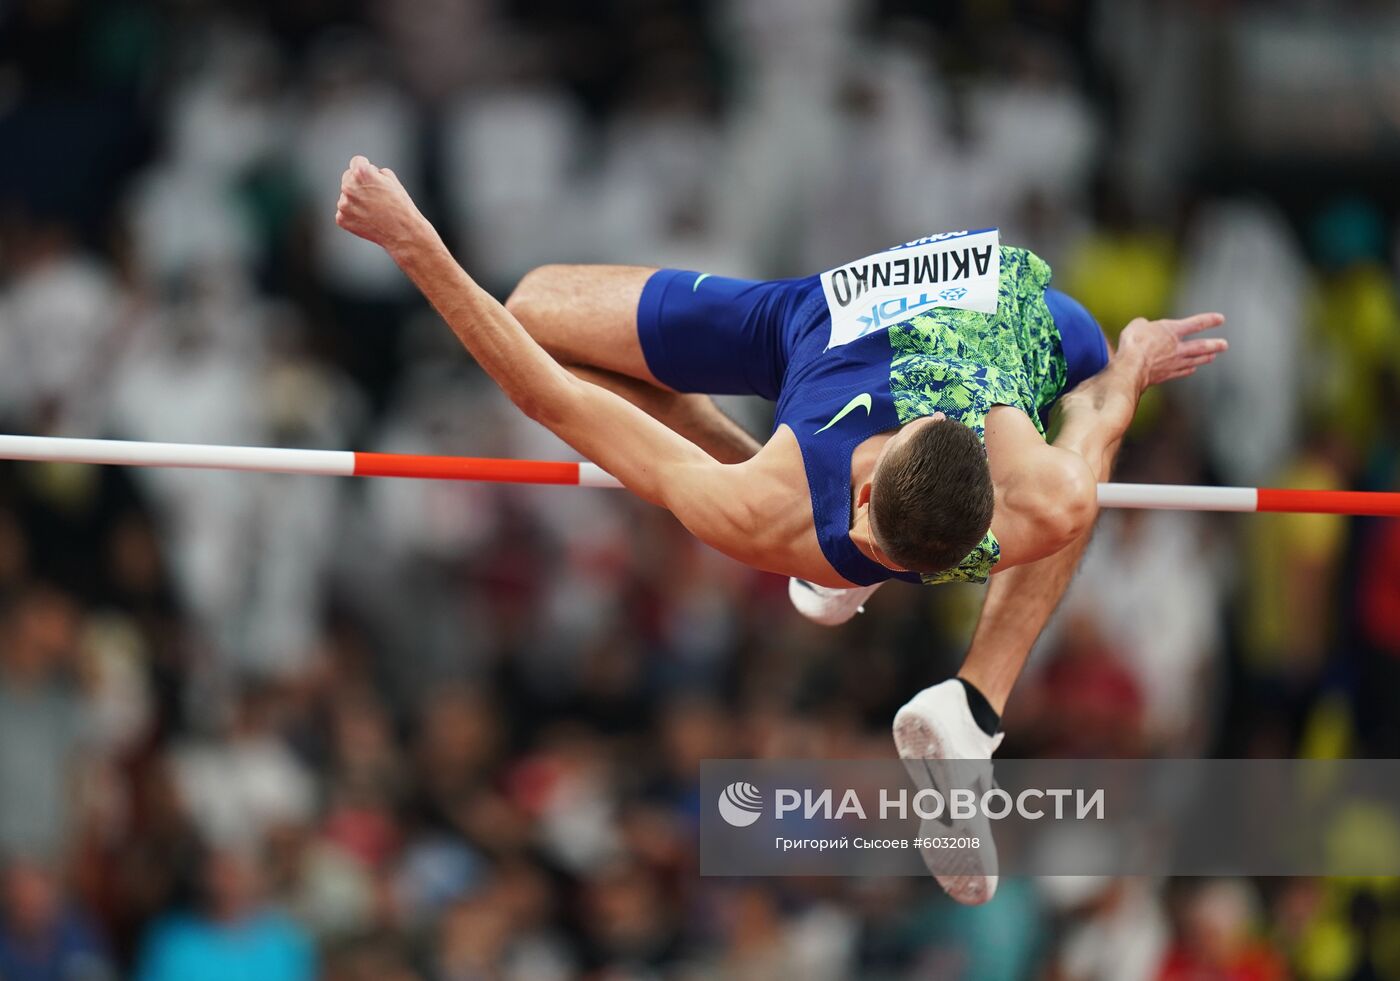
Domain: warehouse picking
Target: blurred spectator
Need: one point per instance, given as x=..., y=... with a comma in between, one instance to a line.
x=497, y=932
x=984, y=943
x=1086, y=700
x=758, y=941
x=1116, y=929
x=61, y=312
x=511, y=150
x=42, y=725
x=1124, y=267
x=1217, y=937
x=42, y=938
x=1339, y=928
x=232, y=935
x=238, y=787
x=1240, y=258
x=1358, y=318
x=1289, y=619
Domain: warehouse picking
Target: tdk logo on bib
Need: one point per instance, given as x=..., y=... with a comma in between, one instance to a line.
x=955, y=269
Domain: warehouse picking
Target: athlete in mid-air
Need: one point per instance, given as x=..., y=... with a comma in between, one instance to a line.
x=912, y=390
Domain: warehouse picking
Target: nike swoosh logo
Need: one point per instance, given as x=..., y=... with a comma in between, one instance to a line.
x=698, y=280
x=861, y=401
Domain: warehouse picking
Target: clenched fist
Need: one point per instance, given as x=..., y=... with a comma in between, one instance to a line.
x=375, y=206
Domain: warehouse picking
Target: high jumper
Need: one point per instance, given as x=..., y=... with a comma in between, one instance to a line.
x=912, y=389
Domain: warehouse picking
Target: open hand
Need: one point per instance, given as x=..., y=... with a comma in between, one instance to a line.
x=375, y=206
x=1166, y=349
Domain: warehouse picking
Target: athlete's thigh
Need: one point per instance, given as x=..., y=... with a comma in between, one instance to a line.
x=586, y=315
x=682, y=330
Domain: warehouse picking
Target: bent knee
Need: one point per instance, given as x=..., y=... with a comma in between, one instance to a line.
x=534, y=290
x=535, y=303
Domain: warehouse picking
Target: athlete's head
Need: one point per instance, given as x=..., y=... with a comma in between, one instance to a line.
x=930, y=495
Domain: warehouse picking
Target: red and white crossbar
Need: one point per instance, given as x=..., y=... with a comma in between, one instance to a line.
x=322, y=463
x=347, y=463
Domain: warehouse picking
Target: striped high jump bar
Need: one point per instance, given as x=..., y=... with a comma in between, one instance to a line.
x=348, y=463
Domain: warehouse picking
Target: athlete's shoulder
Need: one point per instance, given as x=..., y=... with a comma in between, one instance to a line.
x=774, y=497
x=1045, y=494
x=749, y=511
x=776, y=476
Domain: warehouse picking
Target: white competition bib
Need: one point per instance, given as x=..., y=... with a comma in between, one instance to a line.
x=955, y=269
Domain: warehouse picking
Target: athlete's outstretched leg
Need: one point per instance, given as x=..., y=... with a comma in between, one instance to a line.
x=586, y=316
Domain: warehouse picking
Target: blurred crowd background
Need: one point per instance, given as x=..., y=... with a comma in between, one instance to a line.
x=276, y=727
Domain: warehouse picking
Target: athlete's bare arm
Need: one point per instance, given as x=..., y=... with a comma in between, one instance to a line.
x=1047, y=495
x=723, y=505
x=1096, y=414
x=586, y=317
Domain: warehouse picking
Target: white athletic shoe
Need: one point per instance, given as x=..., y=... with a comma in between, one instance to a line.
x=826, y=605
x=934, y=732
